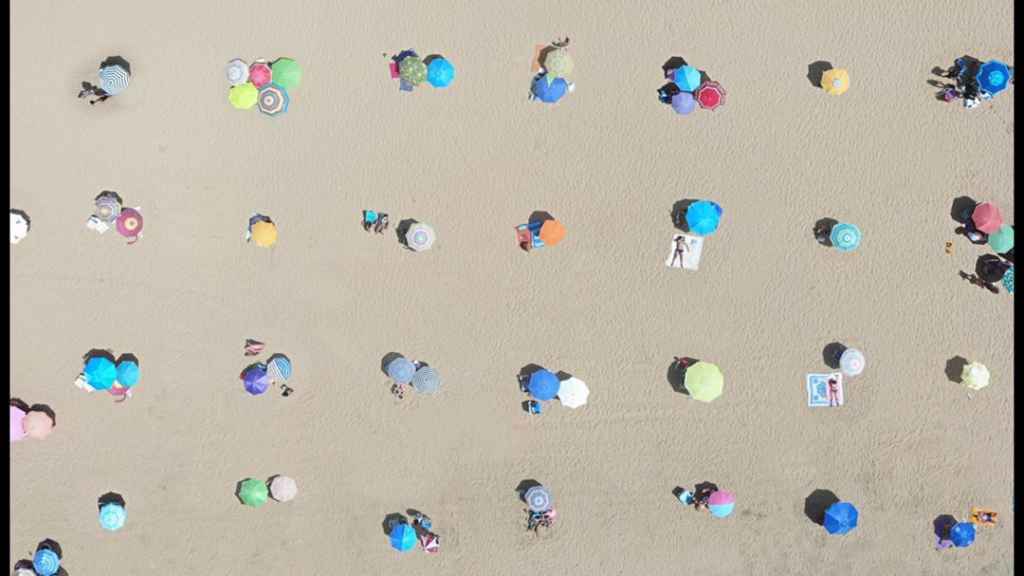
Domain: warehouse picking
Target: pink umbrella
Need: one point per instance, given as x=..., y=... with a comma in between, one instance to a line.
x=710, y=95
x=721, y=503
x=129, y=224
x=17, y=424
x=987, y=218
x=259, y=74
x=37, y=424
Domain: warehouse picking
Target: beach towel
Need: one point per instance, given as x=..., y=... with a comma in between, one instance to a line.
x=691, y=257
x=817, y=390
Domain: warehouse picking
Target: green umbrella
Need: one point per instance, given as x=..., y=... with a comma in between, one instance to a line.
x=287, y=73
x=704, y=381
x=1001, y=240
x=253, y=492
x=243, y=96
x=558, y=63
x=412, y=70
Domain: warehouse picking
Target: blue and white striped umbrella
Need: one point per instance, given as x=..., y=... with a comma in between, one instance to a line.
x=114, y=79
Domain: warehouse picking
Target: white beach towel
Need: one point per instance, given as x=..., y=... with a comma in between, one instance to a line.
x=691, y=257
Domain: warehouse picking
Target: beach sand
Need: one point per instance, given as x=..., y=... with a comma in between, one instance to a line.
x=474, y=160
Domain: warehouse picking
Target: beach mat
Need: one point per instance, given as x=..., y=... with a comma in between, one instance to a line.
x=691, y=258
x=817, y=389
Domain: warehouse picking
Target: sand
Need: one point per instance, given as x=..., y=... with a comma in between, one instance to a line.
x=474, y=161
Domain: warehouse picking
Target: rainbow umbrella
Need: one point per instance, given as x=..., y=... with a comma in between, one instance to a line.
x=273, y=100
x=100, y=372
x=845, y=237
x=721, y=503
x=841, y=518
x=403, y=537
x=543, y=385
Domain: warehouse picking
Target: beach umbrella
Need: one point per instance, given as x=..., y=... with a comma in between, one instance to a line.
x=46, y=562
x=994, y=76
x=129, y=223
x=851, y=362
x=538, y=499
x=253, y=492
x=24, y=572
x=412, y=70
x=238, y=72
x=279, y=368
x=264, y=233
x=114, y=79
x=256, y=379
x=962, y=534
x=573, y=393
x=1008, y=280
x=558, y=63
x=683, y=103
x=426, y=380
x=108, y=207
x=721, y=503
x=1001, y=240
x=549, y=91
x=37, y=424
x=704, y=381
x=835, y=81
x=401, y=370
x=283, y=488
x=840, y=518
x=260, y=74
x=127, y=373
x=244, y=96
x=287, y=73
x=975, y=376
x=702, y=217
x=112, y=516
x=100, y=372
x=543, y=385
x=19, y=227
x=403, y=537
x=845, y=237
x=987, y=218
x=420, y=237
x=17, y=424
x=551, y=232
x=273, y=99
x=687, y=78
x=710, y=95
x=440, y=73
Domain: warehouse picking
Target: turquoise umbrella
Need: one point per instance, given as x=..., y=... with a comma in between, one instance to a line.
x=127, y=373
x=440, y=73
x=845, y=237
x=403, y=537
x=1001, y=240
x=702, y=217
x=100, y=372
x=1008, y=280
x=112, y=516
x=687, y=78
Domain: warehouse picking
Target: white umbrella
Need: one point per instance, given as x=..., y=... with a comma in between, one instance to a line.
x=538, y=499
x=420, y=237
x=19, y=227
x=238, y=72
x=573, y=393
x=975, y=376
x=851, y=362
x=283, y=488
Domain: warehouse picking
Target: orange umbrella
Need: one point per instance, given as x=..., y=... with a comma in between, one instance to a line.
x=552, y=232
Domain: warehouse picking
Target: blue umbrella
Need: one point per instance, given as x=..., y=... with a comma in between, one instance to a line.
x=549, y=92
x=403, y=537
x=962, y=534
x=401, y=370
x=112, y=516
x=46, y=562
x=687, y=78
x=845, y=237
x=840, y=518
x=543, y=385
x=994, y=76
x=128, y=373
x=279, y=367
x=440, y=73
x=1008, y=280
x=426, y=380
x=256, y=379
x=702, y=217
x=100, y=372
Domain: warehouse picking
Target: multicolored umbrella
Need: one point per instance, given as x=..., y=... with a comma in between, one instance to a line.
x=710, y=95
x=845, y=237
x=37, y=424
x=558, y=63
x=273, y=99
x=721, y=503
x=704, y=381
x=420, y=237
x=129, y=224
x=279, y=368
x=543, y=385
x=687, y=78
x=986, y=217
x=835, y=81
x=975, y=376
x=127, y=373
x=244, y=96
x=253, y=492
x=440, y=73
x=573, y=393
x=287, y=73
x=17, y=424
x=401, y=370
x=100, y=372
x=264, y=233
x=403, y=537
x=108, y=207
x=551, y=232
x=538, y=499
x=1008, y=280
x=994, y=76
x=256, y=379
x=549, y=91
x=45, y=562
x=841, y=518
x=114, y=79
x=412, y=70
x=112, y=516
x=683, y=103
x=962, y=534
x=260, y=74
x=702, y=217
x=283, y=488
x=237, y=72
x=426, y=380
x=1001, y=241
x=851, y=362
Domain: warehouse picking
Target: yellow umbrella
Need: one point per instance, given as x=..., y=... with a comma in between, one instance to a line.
x=704, y=381
x=975, y=376
x=264, y=233
x=835, y=81
x=243, y=96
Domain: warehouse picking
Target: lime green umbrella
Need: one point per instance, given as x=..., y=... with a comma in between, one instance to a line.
x=558, y=63
x=1001, y=240
x=704, y=381
x=412, y=70
x=253, y=492
x=287, y=73
x=243, y=96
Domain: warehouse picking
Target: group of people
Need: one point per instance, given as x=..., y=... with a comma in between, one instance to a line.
x=982, y=224
x=974, y=80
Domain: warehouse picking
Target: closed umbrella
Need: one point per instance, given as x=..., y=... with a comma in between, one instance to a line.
x=403, y=536
x=114, y=79
x=721, y=503
x=100, y=372
x=1001, y=240
x=703, y=217
x=975, y=376
x=552, y=232
x=237, y=72
x=558, y=63
x=704, y=381
x=256, y=379
x=17, y=424
x=426, y=380
x=840, y=518
x=1008, y=280
x=46, y=562
x=538, y=499
x=551, y=91
x=287, y=73
x=687, y=78
x=573, y=393
x=112, y=516
x=710, y=95
x=253, y=492
x=244, y=96
x=108, y=207
x=19, y=227
x=851, y=362
x=129, y=224
x=994, y=76
x=264, y=233
x=543, y=385
x=412, y=70
x=37, y=424
x=273, y=99
x=260, y=74
x=962, y=534
x=683, y=103
x=283, y=488
x=401, y=370
x=835, y=81
x=987, y=218
x=420, y=237
x=440, y=73
x=845, y=237
x=279, y=368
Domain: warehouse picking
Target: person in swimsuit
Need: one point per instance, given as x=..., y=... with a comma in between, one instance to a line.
x=681, y=248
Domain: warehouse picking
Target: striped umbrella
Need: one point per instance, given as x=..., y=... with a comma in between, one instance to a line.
x=721, y=503
x=273, y=100
x=401, y=370
x=108, y=207
x=279, y=367
x=114, y=79
x=538, y=499
x=46, y=562
x=426, y=380
x=1008, y=280
x=851, y=362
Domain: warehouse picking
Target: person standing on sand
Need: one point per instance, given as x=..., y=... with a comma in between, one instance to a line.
x=833, y=392
x=681, y=248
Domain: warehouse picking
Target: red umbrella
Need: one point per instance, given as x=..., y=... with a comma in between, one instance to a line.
x=710, y=95
x=259, y=74
x=987, y=218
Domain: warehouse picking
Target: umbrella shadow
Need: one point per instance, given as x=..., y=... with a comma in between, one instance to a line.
x=667, y=91
x=831, y=354
x=563, y=375
x=428, y=59
x=678, y=214
x=402, y=229
x=543, y=55
x=817, y=503
x=253, y=366
x=524, y=375
x=45, y=409
x=955, y=369
x=117, y=61
x=962, y=208
x=388, y=359
x=942, y=524
x=392, y=520
x=524, y=486
x=823, y=231
x=817, y=69
x=110, y=194
x=99, y=353
x=672, y=64
x=110, y=498
x=990, y=268
x=20, y=404
x=676, y=376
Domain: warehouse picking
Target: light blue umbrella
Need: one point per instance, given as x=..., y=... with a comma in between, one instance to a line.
x=403, y=537
x=114, y=79
x=440, y=73
x=994, y=76
x=702, y=217
x=401, y=370
x=112, y=516
x=687, y=78
x=549, y=92
x=127, y=373
x=279, y=367
x=46, y=562
x=841, y=518
x=845, y=237
x=1008, y=280
x=426, y=380
x=100, y=372
x=543, y=385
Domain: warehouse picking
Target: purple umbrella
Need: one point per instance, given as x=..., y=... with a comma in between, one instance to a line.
x=256, y=379
x=683, y=103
